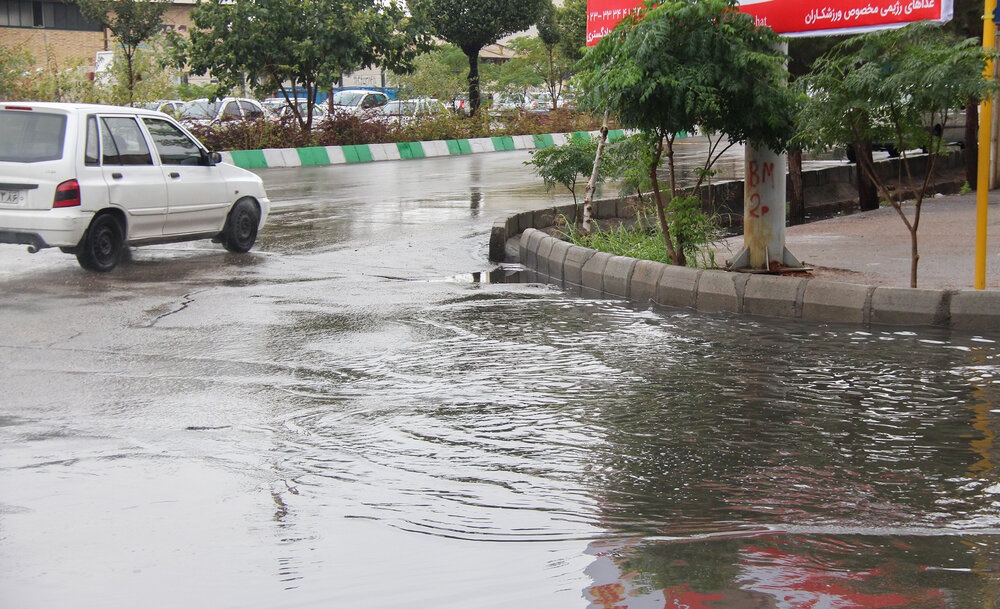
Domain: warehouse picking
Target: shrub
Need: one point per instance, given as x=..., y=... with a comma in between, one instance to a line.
x=342, y=129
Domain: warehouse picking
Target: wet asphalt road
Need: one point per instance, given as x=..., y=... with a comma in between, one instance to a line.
x=157, y=420
x=148, y=412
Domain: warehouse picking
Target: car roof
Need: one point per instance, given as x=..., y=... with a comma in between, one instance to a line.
x=69, y=108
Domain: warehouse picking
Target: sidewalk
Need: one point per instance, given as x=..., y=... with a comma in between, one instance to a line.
x=873, y=248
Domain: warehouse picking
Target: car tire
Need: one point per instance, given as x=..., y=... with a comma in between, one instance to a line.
x=240, y=231
x=103, y=244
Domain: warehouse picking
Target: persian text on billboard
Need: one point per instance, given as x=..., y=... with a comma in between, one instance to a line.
x=796, y=17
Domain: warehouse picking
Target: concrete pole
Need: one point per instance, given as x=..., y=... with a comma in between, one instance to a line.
x=764, y=212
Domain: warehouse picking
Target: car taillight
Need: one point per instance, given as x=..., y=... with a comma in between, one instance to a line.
x=67, y=194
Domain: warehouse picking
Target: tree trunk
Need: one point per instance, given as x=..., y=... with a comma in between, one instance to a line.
x=971, y=151
x=474, y=101
x=588, y=195
x=914, y=257
x=867, y=195
x=676, y=255
x=797, y=207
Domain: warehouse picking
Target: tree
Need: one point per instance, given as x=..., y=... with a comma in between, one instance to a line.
x=15, y=64
x=472, y=24
x=892, y=86
x=132, y=22
x=565, y=164
x=571, y=20
x=538, y=63
x=439, y=73
x=310, y=43
x=681, y=65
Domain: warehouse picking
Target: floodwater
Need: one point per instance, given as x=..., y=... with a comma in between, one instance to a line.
x=366, y=414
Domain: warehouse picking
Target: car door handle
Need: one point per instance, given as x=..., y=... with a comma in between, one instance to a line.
x=174, y=174
x=117, y=176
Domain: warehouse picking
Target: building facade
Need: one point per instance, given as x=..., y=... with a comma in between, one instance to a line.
x=56, y=34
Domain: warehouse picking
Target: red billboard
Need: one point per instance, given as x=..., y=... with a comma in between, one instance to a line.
x=796, y=17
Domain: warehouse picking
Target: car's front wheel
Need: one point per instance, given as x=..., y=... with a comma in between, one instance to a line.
x=103, y=244
x=240, y=232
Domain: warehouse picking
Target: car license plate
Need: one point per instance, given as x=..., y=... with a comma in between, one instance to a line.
x=13, y=197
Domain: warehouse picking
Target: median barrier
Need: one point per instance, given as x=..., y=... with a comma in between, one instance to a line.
x=593, y=274
x=367, y=153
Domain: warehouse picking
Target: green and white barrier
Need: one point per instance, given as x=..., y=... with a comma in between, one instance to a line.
x=368, y=153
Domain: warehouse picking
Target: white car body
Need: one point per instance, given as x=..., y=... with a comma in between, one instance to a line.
x=358, y=101
x=404, y=111
x=93, y=180
x=206, y=112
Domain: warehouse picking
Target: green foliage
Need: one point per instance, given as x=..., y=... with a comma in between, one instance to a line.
x=628, y=160
x=15, y=70
x=192, y=91
x=571, y=19
x=679, y=65
x=692, y=229
x=343, y=129
x=892, y=87
x=565, y=164
x=644, y=239
x=472, y=24
x=308, y=42
x=60, y=83
x=133, y=23
x=889, y=87
x=537, y=63
x=439, y=73
x=145, y=79
x=640, y=242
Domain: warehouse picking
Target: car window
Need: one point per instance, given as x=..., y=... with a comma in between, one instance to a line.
x=31, y=136
x=123, y=142
x=172, y=144
x=250, y=110
x=200, y=110
x=92, y=156
x=347, y=98
x=374, y=101
x=232, y=110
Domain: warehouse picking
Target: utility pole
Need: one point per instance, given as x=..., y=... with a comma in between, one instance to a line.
x=985, y=131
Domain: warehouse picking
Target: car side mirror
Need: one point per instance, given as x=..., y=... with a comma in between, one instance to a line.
x=211, y=158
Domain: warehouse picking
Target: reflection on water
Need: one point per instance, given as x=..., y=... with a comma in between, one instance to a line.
x=710, y=461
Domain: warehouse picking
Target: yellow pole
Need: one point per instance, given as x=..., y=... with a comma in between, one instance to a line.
x=983, y=171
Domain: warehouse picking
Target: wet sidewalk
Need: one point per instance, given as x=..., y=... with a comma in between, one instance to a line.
x=873, y=248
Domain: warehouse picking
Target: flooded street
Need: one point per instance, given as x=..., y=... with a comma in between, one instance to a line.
x=362, y=413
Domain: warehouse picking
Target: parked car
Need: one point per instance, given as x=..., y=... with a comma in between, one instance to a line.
x=403, y=111
x=284, y=111
x=358, y=101
x=509, y=101
x=538, y=101
x=172, y=107
x=93, y=180
x=206, y=112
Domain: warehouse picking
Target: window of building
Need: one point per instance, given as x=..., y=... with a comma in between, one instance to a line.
x=46, y=15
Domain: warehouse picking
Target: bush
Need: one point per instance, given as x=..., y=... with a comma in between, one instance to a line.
x=342, y=129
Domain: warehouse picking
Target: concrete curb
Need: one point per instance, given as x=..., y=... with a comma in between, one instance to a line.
x=600, y=275
x=368, y=153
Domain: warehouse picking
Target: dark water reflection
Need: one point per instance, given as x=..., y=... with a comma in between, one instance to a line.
x=710, y=461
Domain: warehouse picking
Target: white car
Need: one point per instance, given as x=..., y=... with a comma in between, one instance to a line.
x=358, y=101
x=205, y=112
x=404, y=111
x=93, y=180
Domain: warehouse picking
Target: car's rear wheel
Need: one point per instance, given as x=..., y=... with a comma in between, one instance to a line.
x=240, y=232
x=103, y=245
